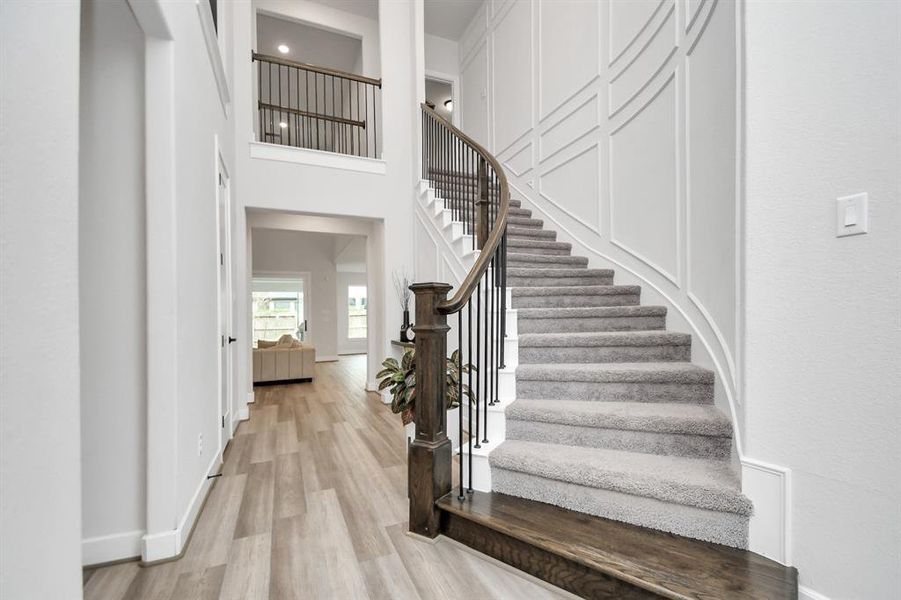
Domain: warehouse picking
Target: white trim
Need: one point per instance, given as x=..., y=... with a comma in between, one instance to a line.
x=251, y=398
x=168, y=544
x=317, y=158
x=243, y=415
x=105, y=548
x=332, y=358
x=212, y=47
x=768, y=486
x=805, y=593
x=159, y=546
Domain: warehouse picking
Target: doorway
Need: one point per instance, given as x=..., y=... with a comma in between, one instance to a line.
x=440, y=95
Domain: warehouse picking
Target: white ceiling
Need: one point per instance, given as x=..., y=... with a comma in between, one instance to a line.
x=448, y=18
x=364, y=8
x=308, y=44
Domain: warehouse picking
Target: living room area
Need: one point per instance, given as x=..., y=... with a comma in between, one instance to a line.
x=308, y=301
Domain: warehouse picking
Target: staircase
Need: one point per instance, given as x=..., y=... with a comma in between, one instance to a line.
x=610, y=418
x=602, y=465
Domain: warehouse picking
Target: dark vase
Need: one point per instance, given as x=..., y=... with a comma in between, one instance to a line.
x=405, y=327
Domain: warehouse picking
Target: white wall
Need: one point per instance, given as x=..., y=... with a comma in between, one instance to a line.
x=187, y=102
x=289, y=252
x=441, y=55
x=112, y=286
x=822, y=313
x=616, y=121
x=40, y=475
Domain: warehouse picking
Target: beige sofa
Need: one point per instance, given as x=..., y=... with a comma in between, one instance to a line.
x=286, y=360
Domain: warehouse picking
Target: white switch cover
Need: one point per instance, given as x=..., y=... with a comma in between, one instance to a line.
x=851, y=215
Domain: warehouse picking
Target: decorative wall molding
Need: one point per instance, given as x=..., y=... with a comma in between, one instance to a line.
x=769, y=487
x=511, y=163
x=615, y=56
x=590, y=107
x=595, y=225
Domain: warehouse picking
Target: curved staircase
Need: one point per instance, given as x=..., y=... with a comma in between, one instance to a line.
x=602, y=465
x=610, y=417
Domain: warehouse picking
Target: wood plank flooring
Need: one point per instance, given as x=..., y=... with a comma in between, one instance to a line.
x=312, y=504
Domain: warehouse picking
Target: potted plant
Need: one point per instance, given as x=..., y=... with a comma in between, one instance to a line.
x=400, y=377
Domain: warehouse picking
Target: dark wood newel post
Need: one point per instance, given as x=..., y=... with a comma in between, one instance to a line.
x=430, y=451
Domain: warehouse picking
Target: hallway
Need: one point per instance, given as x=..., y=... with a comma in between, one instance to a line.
x=311, y=504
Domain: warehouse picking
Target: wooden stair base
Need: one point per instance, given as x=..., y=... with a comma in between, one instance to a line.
x=599, y=558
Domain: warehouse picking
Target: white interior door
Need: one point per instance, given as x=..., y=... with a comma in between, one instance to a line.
x=225, y=329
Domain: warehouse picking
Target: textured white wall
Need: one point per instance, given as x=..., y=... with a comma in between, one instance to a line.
x=112, y=287
x=279, y=251
x=823, y=338
x=40, y=474
x=616, y=120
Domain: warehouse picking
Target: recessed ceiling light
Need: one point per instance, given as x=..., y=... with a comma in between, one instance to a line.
x=283, y=49
x=449, y=105
x=283, y=125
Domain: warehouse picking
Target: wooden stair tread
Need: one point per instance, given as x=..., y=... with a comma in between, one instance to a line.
x=650, y=562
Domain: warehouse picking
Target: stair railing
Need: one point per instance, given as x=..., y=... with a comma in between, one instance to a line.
x=308, y=106
x=474, y=188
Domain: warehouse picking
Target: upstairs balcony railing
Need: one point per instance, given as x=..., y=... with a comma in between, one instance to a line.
x=318, y=108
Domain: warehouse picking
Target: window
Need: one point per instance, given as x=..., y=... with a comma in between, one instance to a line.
x=356, y=311
x=277, y=313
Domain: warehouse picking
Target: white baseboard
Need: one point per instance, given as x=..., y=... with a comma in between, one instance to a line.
x=243, y=415
x=372, y=386
x=768, y=486
x=167, y=544
x=106, y=548
x=327, y=358
x=805, y=593
x=251, y=398
x=158, y=546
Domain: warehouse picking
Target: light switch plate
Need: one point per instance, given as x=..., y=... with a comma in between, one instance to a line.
x=851, y=215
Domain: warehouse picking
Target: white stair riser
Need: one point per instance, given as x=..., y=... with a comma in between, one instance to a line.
x=481, y=472
x=497, y=423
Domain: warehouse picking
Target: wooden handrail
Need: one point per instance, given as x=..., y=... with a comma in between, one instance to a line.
x=311, y=115
x=490, y=245
x=315, y=68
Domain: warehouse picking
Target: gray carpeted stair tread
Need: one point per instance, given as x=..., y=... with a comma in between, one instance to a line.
x=514, y=271
x=585, y=312
x=525, y=232
x=515, y=259
x=517, y=221
x=702, y=483
x=576, y=290
x=691, y=419
x=604, y=338
x=664, y=372
x=538, y=246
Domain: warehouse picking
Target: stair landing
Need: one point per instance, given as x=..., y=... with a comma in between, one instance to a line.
x=599, y=558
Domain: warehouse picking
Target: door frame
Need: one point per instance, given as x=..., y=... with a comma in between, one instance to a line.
x=454, y=82
x=225, y=420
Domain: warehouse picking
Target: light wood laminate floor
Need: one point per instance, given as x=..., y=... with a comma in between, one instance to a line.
x=312, y=504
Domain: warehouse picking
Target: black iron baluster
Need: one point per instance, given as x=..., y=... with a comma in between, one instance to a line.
x=460, y=364
x=469, y=376
x=478, y=362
